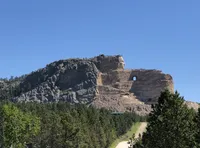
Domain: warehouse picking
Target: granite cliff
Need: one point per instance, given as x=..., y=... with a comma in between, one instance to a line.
x=101, y=81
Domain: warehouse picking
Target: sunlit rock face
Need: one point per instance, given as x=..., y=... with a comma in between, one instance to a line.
x=121, y=62
x=101, y=81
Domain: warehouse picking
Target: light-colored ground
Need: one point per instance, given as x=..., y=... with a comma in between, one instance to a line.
x=141, y=129
x=127, y=135
x=123, y=144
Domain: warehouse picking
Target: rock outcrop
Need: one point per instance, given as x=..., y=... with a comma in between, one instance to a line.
x=101, y=81
x=73, y=80
x=193, y=105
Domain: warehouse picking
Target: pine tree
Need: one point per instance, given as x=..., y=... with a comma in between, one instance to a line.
x=170, y=124
x=197, y=136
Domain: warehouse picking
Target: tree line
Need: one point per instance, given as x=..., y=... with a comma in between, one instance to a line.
x=60, y=125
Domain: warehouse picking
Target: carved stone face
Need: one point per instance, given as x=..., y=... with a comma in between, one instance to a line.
x=121, y=62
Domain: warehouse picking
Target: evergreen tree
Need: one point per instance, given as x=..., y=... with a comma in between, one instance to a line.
x=170, y=124
x=197, y=136
x=60, y=125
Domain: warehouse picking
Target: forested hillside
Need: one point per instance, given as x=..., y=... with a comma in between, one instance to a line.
x=60, y=125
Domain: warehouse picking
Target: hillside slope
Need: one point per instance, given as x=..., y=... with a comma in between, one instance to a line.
x=101, y=81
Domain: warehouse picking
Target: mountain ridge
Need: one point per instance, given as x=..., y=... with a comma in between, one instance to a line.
x=101, y=81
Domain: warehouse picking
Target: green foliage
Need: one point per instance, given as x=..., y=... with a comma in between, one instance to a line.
x=9, y=91
x=60, y=125
x=197, y=121
x=17, y=127
x=170, y=124
x=126, y=136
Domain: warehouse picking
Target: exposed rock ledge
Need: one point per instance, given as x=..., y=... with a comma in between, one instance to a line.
x=101, y=81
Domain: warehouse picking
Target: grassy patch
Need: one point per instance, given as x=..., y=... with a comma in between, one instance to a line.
x=127, y=135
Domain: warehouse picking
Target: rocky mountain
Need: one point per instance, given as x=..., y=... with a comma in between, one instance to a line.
x=101, y=81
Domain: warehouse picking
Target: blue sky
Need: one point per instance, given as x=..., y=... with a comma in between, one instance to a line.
x=151, y=34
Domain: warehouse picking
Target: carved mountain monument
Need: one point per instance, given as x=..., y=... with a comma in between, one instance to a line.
x=101, y=81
